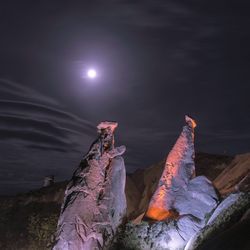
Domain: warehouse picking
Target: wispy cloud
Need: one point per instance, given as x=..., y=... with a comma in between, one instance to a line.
x=41, y=132
x=14, y=90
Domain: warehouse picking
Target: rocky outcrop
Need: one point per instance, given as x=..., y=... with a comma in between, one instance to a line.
x=179, y=169
x=95, y=203
x=146, y=236
x=178, y=192
x=145, y=181
x=236, y=177
x=198, y=200
x=180, y=206
x=226, y=228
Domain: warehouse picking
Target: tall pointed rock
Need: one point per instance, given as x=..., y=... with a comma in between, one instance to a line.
x=95, y=203
x=179, y=169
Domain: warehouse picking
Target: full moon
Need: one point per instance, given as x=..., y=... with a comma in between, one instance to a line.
x=91, y=73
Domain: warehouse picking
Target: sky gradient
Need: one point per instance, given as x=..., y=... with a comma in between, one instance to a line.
x=157, y=60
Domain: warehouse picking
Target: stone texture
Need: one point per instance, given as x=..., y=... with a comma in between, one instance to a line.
x=188, y=226
x=179, y=169
x=178, y=192
x=185, y=232
x=199, y=199
x=95, y=203
x=145, y=181
x=145, y=236
x=180, y=205
x=225, y=215
x=160, y=235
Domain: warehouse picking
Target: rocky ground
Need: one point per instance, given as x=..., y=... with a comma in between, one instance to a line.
x=29, y=220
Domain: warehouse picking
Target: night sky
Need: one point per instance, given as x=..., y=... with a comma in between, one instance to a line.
x=156, y=61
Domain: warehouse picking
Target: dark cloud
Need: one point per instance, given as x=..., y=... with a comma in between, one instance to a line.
x=39, y=111
x=49, y=148
x=14, y=90
x=17, y=122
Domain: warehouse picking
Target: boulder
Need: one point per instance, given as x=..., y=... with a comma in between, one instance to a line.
x=172, y=234
x=199, y=199
x=145, y=236
x=188, y=226
x=229, y=212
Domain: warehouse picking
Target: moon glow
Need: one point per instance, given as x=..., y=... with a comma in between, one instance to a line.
x=91, y=73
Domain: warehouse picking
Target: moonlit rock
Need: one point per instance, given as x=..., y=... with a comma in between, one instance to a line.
x=225, y=204
x=160, y=235
x=229, y=211
x=178, y=192
x=188, y=226
x=107, y=125
x=95, y=203
x=199, y=200
x=157, y=236
x=179, y=169
x=194, y=206
x=182, y=202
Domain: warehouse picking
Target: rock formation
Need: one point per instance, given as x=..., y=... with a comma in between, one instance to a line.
x=179, y=169
x=95, y=203
x=145, y=181
x=236, y=177
x=180, y=205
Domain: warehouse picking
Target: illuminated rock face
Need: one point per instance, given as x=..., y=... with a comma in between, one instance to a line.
x=95, y=203
x=181, y=203
x=179, y=169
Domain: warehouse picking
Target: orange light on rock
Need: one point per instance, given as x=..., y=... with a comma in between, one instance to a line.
x=159, y=214
x=179, y=169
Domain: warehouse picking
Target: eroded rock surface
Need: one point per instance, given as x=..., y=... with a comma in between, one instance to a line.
x=178, y=192
x=145, y=182
x=179, y=169
x=229, y=212
x=180, y=206
x=199, y=199
x=95, y=202
x=145, y=236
